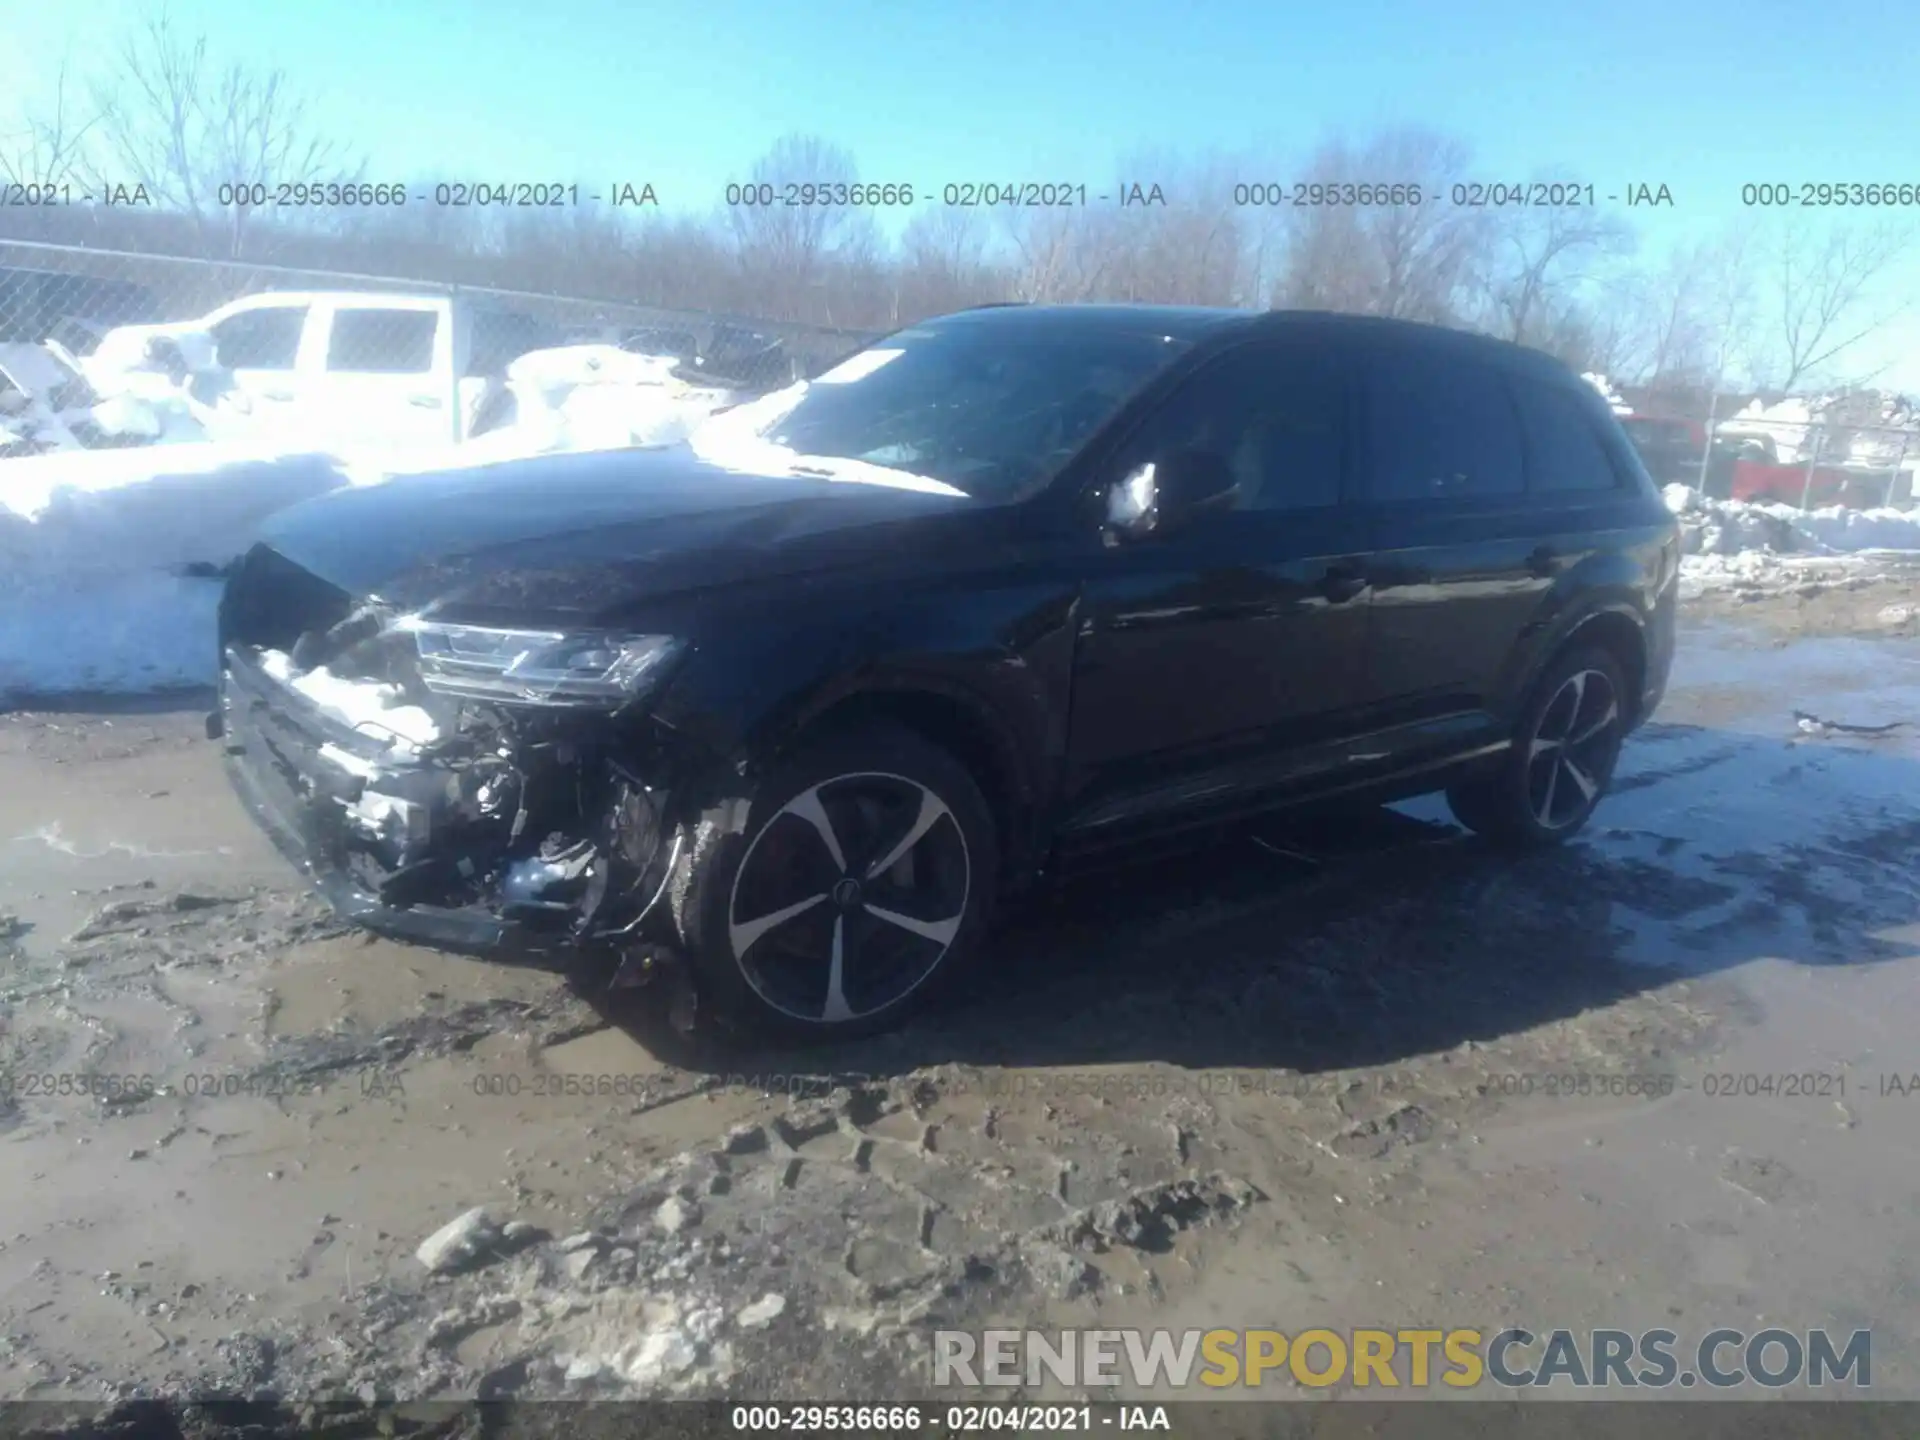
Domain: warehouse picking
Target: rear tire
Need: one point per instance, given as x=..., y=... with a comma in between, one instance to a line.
x=860, y=884
x=1547, y=786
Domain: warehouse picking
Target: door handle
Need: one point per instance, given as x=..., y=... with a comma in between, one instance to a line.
x=1541, y=561
x=426, y=402
x=276, y=395
x=1342, y=583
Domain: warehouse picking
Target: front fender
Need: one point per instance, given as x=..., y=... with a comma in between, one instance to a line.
x=997, y=662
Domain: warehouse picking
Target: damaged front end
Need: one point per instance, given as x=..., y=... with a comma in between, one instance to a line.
x=468, y=786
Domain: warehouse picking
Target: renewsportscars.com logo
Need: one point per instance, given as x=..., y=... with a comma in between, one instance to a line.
x=1392, y=1359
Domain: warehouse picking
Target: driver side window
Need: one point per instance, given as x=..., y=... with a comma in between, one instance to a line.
x=1276, y=415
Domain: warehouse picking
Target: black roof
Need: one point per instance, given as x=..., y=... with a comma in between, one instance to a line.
x=1196, y=322
x=1183, y=322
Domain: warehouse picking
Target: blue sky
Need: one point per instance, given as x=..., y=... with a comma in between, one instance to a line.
x=1701, y=95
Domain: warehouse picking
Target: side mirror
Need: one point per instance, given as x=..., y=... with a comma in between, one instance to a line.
x=1169, y=492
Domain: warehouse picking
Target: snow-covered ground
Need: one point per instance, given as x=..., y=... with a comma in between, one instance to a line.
x=1732, y=543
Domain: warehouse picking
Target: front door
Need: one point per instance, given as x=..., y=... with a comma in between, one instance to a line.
x=1218, y=661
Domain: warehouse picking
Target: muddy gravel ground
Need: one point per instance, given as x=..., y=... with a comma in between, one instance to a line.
x=1342, y=1072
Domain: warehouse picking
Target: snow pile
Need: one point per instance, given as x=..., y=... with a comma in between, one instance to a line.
x=1886, y=437
x=108, y=558
x=47, y=403
x=1733, y=527
x=1730, y=527
x=1608, y=393
x=162, y=384
x=373, y=708
x=1788, y=423
x=1729, y=543
x=575, y=397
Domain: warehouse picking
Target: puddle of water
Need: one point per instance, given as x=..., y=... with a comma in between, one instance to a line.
x=1720, y=677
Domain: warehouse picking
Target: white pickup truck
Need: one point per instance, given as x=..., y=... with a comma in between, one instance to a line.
x=394, y=371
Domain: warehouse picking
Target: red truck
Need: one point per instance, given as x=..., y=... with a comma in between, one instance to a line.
x=1757, y=481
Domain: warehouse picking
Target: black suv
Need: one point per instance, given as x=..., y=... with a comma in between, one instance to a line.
x=1006, y=593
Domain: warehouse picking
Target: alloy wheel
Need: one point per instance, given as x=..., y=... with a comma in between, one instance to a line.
x=849, y=897
x=1572, y=751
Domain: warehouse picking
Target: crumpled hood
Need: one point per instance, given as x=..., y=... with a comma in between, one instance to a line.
x=589, y=534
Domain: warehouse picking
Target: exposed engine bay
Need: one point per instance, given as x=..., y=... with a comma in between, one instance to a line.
x=510, y=819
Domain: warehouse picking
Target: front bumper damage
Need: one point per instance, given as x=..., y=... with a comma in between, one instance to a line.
x=509, y=831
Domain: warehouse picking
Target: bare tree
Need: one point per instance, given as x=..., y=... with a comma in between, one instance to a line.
x=1194, y=249
x=1060, y=255
x=49, y=150
x=178, y=124
x=943, y=265
x=1822, y=296
x=785, y=250
x=1538, y=258
x=1384, y=253
x=1686, y=321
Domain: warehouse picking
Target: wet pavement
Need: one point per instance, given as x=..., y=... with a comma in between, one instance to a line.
x=1354, y=1071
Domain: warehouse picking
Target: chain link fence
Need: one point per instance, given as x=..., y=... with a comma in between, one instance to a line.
x=1767, y=457
x=412, y=358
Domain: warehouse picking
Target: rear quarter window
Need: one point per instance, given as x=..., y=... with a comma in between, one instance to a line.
x=1565, y=452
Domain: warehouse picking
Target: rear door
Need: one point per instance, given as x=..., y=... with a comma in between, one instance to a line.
x=1461, y=563
x=387, y=373
x=1218, y=661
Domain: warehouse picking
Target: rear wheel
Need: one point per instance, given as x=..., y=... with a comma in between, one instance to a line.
x=861, y=881
x=1564, y=751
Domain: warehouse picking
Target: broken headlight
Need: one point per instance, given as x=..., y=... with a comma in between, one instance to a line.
x=537, y=667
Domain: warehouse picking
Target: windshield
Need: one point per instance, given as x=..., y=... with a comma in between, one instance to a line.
x=971, y=407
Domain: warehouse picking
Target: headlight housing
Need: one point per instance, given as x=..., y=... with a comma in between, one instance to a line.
x=538, y=667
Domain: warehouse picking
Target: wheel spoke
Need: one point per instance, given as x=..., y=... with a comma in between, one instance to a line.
x=1579, y=684
x=1579, y=777
x=744, y=933
x=1607, y=717
x=1546, y=803
x=939, y=931
x=1540, y=747
x=808, y=807
x=931, y=813
x=836, y=1009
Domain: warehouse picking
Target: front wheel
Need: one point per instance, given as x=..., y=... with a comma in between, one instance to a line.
x=1564, y=751
x=861, y=880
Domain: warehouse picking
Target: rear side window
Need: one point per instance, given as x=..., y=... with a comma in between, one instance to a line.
x=382, y=342
x=266, y=339
x=1564, y=451
x=1440, y=427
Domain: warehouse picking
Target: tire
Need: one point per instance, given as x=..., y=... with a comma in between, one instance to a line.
x=814, y=849
x=1564, y=750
